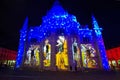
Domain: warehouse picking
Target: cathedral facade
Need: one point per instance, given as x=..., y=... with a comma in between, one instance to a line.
x=61, y=43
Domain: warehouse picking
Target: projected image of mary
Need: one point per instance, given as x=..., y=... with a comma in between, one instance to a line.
x=62, y=55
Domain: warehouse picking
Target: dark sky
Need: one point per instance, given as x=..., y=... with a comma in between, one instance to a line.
x=13, y=13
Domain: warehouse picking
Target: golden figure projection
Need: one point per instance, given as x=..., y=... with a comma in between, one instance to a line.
x=37, y=56
x=90, y=62
x=62, y=56
x=47, y=54
x=88, y=54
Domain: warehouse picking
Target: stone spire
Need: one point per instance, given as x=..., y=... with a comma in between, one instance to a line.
x=56, y=9
x=96, y=26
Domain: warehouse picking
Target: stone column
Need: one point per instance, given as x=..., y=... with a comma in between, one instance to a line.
x=53, y=39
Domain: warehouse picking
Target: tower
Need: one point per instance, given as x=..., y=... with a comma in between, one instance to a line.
x=100, y=44
x=21, y=48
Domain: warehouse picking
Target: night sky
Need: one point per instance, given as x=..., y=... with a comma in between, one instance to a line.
x=13, y=13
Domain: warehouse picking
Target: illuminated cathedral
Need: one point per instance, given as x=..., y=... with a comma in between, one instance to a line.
x=61, y=43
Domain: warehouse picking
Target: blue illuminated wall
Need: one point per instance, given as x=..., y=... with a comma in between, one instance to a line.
x=21, y=48
x=100, y=44
x=58, y=21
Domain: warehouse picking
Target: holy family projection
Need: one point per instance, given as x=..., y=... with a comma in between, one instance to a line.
x=61, y=43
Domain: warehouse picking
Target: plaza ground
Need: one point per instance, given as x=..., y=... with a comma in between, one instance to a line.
x=8, y=74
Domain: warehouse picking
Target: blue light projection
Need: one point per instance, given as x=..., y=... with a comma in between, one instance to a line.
x=96, y=27
x=56, y=19
x=23, y=34
x=59, y=21
x=100, y=42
